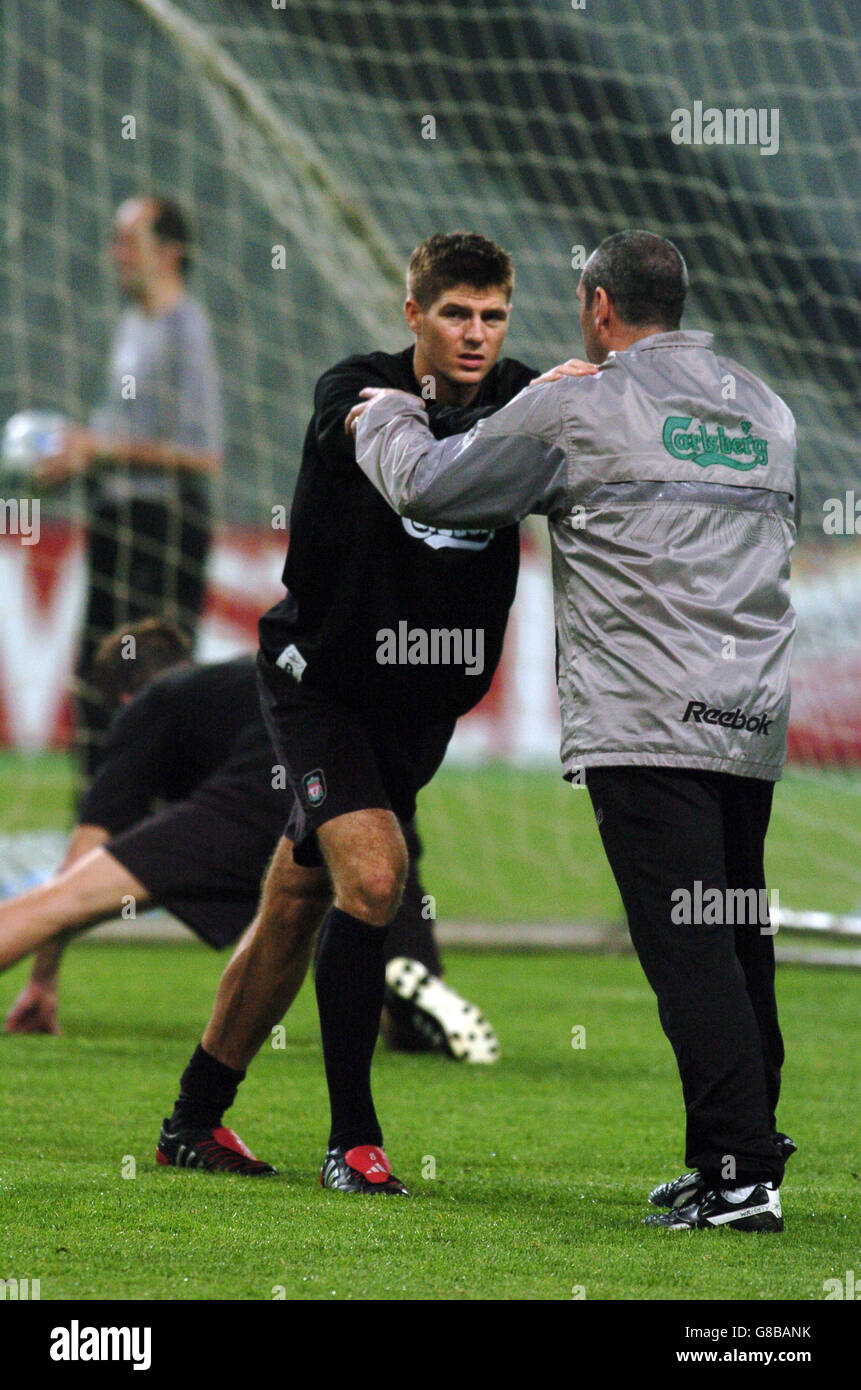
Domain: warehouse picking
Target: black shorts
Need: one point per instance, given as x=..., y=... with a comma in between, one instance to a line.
x=204, y=863
x=337, y=760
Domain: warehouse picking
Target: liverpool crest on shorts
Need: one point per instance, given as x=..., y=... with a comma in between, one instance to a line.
x=315, y=787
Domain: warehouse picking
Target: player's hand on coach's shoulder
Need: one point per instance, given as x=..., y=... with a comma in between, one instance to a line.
x=575, y=366
x=370, y=394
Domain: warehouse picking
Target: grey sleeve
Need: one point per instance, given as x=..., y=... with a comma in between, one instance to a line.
x=106, y=417
x=199, y=419
x=509, y=466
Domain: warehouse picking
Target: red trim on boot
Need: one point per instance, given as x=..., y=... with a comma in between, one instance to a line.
x=371, y=1161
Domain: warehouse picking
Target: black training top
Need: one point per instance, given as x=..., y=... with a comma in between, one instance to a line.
x=356, y=571
x=194, y=729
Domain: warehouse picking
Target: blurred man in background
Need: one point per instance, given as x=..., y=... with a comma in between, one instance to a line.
x=152, y=448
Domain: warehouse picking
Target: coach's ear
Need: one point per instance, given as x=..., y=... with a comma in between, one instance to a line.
x=414, y=315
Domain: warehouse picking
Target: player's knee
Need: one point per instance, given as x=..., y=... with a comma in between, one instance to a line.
x=374, y=891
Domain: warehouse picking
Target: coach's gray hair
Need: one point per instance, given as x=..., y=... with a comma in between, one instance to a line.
x=643, y=275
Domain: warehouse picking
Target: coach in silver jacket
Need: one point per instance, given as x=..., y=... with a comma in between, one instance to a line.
x=671, y=507
x=668, y=477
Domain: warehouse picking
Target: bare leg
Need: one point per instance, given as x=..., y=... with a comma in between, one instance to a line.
x=87, y=892
x=260, y=983
x=367, y=858
x=271, y=961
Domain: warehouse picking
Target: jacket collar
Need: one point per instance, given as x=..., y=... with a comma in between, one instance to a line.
x=680, y=338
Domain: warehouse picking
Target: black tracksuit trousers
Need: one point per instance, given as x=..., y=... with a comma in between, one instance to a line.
x=664, y=830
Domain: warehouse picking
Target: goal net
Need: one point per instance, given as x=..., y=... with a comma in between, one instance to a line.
x=314, y=143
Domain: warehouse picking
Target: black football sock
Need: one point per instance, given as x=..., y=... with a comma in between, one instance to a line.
x=206, y=1090
x=350, y=983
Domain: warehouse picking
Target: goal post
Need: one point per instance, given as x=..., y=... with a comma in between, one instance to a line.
x=314, y=143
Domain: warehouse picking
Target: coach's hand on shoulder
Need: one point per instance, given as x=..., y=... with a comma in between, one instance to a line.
x=373, y=393
x=79, y=451
x=573, y=367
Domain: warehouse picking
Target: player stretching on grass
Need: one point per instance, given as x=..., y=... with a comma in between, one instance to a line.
x=358, y=731
x=193, y=736
x=670, y=482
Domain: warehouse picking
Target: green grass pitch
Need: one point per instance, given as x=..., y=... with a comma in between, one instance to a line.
x=509, y=844
x=540, y=1165
x=528, y=1178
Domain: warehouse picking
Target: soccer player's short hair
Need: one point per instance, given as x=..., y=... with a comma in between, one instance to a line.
x=643, y=275
x=457, y=258
x=131, y=656
x=171, y=227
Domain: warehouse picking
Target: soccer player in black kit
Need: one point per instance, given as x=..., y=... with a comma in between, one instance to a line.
x=358, y=728
x=192, y=738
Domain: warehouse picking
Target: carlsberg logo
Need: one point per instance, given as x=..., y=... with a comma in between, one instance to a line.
x=742, y=452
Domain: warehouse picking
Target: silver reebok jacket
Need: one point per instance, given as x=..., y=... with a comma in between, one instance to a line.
x=669, y=480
